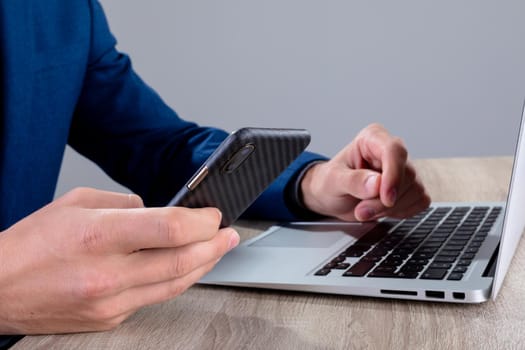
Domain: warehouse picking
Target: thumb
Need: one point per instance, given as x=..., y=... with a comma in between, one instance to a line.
x=361, y=183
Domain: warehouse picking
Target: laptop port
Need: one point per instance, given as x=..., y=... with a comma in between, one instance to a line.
x=458, y=295
x=398, y=292
x=435, y=294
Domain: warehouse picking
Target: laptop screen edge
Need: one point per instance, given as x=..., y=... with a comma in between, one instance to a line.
x=514, y=220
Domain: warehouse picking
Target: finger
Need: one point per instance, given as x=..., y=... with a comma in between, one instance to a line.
x=368, y=210
x=126, y=231
x=159, y=265
x=375, y=148
x=394, y=163
x=373, y=209
x=413, y=202
x=361, y=184
x=92, y=198
x=398, y=191
x=134, y=298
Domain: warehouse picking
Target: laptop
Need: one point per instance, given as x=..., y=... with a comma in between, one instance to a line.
x=452, y=252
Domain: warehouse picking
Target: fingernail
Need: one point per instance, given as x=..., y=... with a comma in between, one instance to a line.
x=365, y=213
x=371, y=183
x=234, y=239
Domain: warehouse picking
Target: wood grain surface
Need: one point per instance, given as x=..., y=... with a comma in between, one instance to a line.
x=237, y=318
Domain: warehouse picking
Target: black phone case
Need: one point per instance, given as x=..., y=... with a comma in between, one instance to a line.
x=233, y=192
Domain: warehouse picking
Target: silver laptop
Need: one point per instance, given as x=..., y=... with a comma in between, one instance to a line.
x=453, y=252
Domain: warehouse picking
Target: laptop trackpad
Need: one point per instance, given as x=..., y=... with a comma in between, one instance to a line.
x=306, y=237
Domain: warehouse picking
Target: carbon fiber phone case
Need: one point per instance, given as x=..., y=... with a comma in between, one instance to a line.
x=219, y=183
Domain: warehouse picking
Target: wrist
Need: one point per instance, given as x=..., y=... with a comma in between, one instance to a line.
x=293, y=194
x=307, y=185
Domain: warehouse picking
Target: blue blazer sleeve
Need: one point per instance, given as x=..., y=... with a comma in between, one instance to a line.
x=124, y=126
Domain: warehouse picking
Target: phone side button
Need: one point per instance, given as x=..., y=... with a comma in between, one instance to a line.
x=197, y=179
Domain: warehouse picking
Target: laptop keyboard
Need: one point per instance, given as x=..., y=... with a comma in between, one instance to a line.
x=436, y=244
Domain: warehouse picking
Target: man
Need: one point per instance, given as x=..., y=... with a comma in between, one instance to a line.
x=90, y=259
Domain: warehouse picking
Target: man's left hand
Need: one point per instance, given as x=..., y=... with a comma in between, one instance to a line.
x=368, y=179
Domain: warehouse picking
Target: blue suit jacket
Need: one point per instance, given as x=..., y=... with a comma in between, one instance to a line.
x=63, y=82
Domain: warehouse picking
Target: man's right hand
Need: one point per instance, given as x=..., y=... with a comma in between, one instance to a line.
x=90, y=259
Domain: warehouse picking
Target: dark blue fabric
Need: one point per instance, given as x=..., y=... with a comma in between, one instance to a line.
x=7, y=341
x=64, y=82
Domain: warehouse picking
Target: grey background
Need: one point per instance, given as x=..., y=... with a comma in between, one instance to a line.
x=446, y=76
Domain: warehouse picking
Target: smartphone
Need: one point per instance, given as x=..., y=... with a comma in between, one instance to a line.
x=240, y=169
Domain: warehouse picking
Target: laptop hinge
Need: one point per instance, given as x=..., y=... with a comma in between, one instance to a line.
x=490, y=270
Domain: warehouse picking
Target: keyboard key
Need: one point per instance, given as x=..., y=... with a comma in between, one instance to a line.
x=376, y=234
x=455, y=276
x=338, y=259
x=434, y=274
x=427, y=250
x=460, y=269
x=397, y=256
x=359, y=269
x=323, y=272
x=417, y=262
x=431, y=245
x=452, y=253
x=330, y=265
x=342, y=266
x=353, y=253
x=472, y=250
x=412, y=268
x=384, y=268
x=452, y=248
x=464, y=262
x=368, y=258
x=381, y=274
x=461, y=242
x=468, y=256
x=440, y=265
x=378, y=251
x=444, y=259
x=421, y=256
x=392, y=262
x=440, y=234
x=436, y=240
x=407, y=274
x=462, y=235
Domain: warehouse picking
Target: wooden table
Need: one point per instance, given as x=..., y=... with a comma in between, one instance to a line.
x=234, y=318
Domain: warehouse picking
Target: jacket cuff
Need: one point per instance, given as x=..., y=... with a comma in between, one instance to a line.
x=276, y=202
x=294, y=195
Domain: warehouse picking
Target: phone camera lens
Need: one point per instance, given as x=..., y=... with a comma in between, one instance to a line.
x=238, y=158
